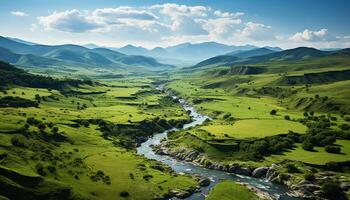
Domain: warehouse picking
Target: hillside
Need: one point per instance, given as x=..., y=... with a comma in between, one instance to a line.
x=185, y=53
x=73, y=56
x=251, y=53
x=272, y=58
x=11, y=76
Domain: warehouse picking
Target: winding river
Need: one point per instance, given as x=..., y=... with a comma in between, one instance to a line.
x=145, y=149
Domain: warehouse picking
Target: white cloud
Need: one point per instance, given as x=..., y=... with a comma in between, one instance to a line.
x=176, y=10
x=184, y=19
x=221, y=28
x=70, y=21
x=112, y=15
x=312, y=36
x=33, y=27
x=219, y=13
x=255, y=31
x=19, y=13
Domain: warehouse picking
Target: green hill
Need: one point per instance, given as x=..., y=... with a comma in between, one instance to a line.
x=251, y=53
x=73, y=57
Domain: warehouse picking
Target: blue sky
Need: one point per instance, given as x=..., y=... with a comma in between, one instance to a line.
x=321, y=23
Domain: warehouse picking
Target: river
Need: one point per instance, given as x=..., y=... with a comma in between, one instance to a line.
x=279, y=192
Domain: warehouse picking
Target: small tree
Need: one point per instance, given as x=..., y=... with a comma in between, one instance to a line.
x=308, y=146
x=273, y=112
x=332, y=149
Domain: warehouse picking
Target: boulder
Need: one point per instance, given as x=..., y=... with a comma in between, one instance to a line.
x=204, y=181
x=271, y=174
x=260, y=172
x=232, y=168
x=180, y=193
x=243, y=171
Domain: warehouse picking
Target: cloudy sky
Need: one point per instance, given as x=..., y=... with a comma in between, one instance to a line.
x=114, y=23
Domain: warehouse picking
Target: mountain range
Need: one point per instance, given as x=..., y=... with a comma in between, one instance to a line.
x=265, y=55
x=22, y=53
x=185, y=53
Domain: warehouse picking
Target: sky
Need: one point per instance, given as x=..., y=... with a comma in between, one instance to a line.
x=150, y=23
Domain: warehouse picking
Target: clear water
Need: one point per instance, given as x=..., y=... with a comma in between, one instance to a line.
x=215, y=175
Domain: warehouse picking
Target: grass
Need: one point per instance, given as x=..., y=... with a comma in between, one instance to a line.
x=250, y=128
x=86, y=143
x=317, y=157
x=229, y=190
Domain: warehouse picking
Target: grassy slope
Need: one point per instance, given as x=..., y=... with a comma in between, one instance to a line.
x=87, y=143
x=235, y=94
x=228, y=190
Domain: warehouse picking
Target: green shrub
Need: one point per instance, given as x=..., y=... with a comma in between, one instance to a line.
x=309, y=177
x=40, y=169
x=332, y=191
x=332, y=149
x=273, y=112
x=292, y=168
x=124, y=194
x=19, y=141
x=308, y=146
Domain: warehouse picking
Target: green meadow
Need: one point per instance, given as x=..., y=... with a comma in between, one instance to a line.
x=93, y=167
x=229, y=190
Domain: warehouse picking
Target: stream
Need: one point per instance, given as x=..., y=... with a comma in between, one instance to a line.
x=279, y=192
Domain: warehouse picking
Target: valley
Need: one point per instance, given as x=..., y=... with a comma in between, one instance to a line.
x=258, y=124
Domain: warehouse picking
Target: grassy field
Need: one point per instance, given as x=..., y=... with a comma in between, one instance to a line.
x=84, y=153
x=317, y=157
x=229, y=190
x=254, y=128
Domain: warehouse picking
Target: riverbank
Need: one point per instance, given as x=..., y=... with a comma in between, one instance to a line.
x=209, y=170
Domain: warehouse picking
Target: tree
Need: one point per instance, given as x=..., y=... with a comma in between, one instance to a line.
x=308, y=146
x=332, y=149
x=273, y=112
x=332, y=191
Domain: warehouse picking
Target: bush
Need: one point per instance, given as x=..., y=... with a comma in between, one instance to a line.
x=40, y=169
x=308, y=146
x=332, y=149
x=273, y=112
x=292, y=168
x=332, y=191
x=286, y=117
x=51, y=169
x=124, y=194
x=333, y=166
x=18, y=141
x=85, y=123
x=309, y=177
x=344, y=127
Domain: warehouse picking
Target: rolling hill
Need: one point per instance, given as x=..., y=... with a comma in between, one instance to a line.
x=251, y=53
x=185, y=53
x=266, y=56
x=73, y=56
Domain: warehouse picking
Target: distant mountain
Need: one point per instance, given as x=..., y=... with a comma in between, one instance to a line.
x=185, y=53
x=295, y=54
x=133, y=50
x=248, y=57
x=91, y=46
x=251, y=53
x=21, y=41
x=218, y=60
x=72, y=55
x=273, y=48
